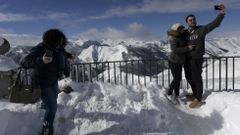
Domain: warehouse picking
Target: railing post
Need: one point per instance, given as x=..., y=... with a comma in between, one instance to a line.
x=90, y=72
x=213, y=77
x=114, y=67
x=163, y=76
x=96, y=64
x=226, y=74
x=145, y=69
x=109, y=79
x=132, y=72
x=220, y=80
x=168, y=74
x=83, y=71
x=157, y=72
x=150, y=70
x=233, y=73
x=126, y=79
x=75, y=73
x=103, y=71
x=206, y=73
x=138, y=72
x=120, y=72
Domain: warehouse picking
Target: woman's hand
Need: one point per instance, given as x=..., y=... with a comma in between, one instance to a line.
x=191, y=47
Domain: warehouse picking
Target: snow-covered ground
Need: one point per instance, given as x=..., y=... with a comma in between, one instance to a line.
x=109, y=109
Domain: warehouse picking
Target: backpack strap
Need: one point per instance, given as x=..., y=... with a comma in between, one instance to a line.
x=18, y=76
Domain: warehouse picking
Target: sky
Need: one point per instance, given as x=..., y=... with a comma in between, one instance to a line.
x=110, y=19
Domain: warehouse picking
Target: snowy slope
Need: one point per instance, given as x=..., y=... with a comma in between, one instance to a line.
x=7, y=64
x=132, y=49
x=110, y=50
x=104, y=109
x=223, y=46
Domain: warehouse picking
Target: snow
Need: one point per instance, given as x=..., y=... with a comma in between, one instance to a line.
x=98, y=53
x=112, y=109
x=7, y=64
x=104, y=109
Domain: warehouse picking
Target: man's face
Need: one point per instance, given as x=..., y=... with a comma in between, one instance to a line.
x=191, y=21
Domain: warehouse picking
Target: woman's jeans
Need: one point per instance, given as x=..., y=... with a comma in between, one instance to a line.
x=49, y=98
x=176, y=70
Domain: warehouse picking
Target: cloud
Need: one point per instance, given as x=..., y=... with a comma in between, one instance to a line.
x=16, y=17
x=3, y=6
x=21, y=39
x=10, y=17
x=162, y=6
x=6, y=31
x=133, y=31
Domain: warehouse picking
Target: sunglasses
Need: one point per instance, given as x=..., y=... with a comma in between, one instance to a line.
x=191, y=20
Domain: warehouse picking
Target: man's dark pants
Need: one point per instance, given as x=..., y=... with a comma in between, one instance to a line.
x=188, y=74
x=196, y=71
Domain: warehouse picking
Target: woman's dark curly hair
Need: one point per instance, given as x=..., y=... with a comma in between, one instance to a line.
x=54, y=38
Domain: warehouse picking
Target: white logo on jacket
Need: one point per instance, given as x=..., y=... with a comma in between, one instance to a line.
x=193, y=37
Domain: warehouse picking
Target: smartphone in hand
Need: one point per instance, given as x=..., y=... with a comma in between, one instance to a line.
x=217, y=7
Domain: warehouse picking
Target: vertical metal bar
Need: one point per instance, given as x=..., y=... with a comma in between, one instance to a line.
x=96, y=64
x=213, y=77
x=233, y=73
x=83, y=71
x=103, y=71
x=220, y=68
x=138, y=72
x=114, y=67
x=72, y=72
x=226, y=74
x=157, y=71
x=126, y=79
x=150, y=70
x=109, y=79
x=132, y=72
x=76, y=73
x=145, y=73
x=206, y=73
x=120, y=72
x=163, y=76
x=186, y=78
x=90, y=72
x=80, y=74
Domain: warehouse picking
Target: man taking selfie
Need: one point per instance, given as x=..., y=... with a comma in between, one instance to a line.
x=197, y=34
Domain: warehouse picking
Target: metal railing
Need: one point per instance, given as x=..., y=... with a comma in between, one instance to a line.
x=218, y=72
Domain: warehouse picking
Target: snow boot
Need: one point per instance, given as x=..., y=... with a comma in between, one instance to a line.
x=196, y=104
x=177, y=100
x=46, y=130
x=174, y=100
